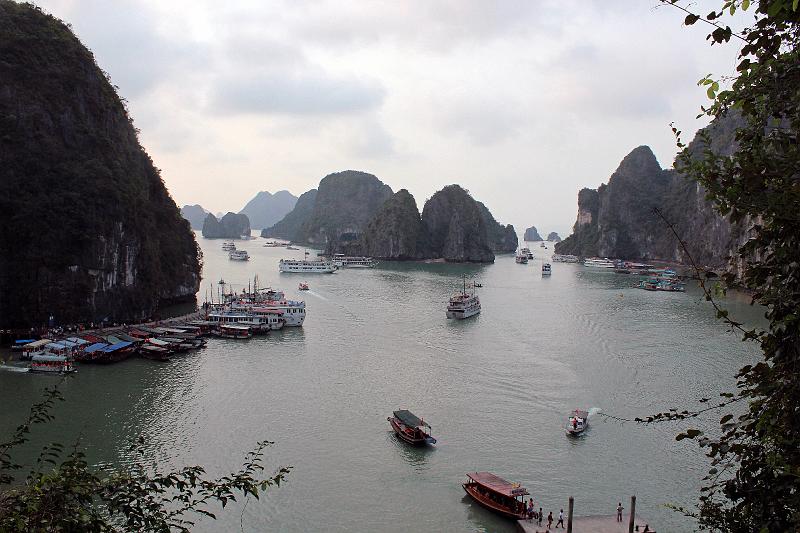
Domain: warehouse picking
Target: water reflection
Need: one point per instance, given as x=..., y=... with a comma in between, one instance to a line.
x=415, y=456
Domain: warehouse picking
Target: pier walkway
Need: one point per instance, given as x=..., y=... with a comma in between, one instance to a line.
x=587, y=524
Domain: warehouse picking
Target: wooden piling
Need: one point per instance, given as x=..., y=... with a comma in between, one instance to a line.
x=569, y=514
x=632, y=518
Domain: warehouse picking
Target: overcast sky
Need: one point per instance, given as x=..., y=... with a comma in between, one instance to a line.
x=521, y=102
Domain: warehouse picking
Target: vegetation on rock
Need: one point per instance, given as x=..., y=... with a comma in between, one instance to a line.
x=395, y=232
x=89, y=229
x=455, y=227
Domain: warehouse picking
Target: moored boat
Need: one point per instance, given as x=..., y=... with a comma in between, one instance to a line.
x=497, y=494
x=52, y=363
x=577, y=422
x=306, y=266
x=599, y=263
x=234, y=331
x=343, y=261
x=410, y=428
x=238, y=255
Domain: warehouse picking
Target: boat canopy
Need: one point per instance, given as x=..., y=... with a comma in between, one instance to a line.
x=40, y=358
x=113, y=339
x=410, y=419
x=20, y=342
x=95, y=347
x=77, y=340
x=158, y=342
x=117, y=346
x=497, y=484
x=234, y=327
x=38, y=344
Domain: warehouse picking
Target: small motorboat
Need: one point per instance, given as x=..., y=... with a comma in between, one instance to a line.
x=497, y=494
x=546, y=269
x=577, y=422
x=303, y=287
x=478, y=285
x=411, y=428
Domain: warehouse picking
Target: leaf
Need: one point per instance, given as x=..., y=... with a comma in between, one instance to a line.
x=691, y=19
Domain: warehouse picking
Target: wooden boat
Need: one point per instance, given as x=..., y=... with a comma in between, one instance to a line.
x=497, y=494
x=234, y=331
x=577, y=422
x=411, y=428
x=303, y=287
x=156, y=353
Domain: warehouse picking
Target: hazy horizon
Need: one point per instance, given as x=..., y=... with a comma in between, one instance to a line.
x=523, y=104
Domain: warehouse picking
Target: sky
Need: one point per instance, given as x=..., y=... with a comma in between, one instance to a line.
x=523, y=103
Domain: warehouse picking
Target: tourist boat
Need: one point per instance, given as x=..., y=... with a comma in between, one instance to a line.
x=411, y=428
x=659, y=283
x=599, y=263
x=228, y=246
x=521, y=259
x=234, y=331
x=32, y=347
x=343, y=261
x=305, y=266
x=526, y=252
x=463, y=305
x=156, y=353
x=546, y=269
x=497, y=494
x=565, y=258
x=577, y=422
x=274, y=244
x=239, y=255
x=52, y=363
x=303, y=287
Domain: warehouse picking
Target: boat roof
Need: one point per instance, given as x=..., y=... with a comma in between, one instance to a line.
x=410, y=419
x=95, y=347
x=234, y=326
x=49, y=357
x=117, y=346
x=40, y=342
x=23, y=341
x=77, y=340
x=498, y=484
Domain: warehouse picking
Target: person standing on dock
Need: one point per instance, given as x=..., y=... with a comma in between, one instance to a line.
x=541, y=517
x=619, y=512
x=531, y=512
x=560, y=519
x=549, y=519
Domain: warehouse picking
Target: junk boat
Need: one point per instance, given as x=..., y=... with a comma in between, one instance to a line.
x=239, y=255
x=411, y=428
x=497, y=494
x=521, y=258
x=599, y=263
x=51, y=363
x=546, y=269
x=303, y=287
x=463, y=305
x=305, y=266
x=343, y=261
x=577, y=422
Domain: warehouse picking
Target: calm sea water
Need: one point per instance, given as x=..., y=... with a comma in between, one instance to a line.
x=496, y=389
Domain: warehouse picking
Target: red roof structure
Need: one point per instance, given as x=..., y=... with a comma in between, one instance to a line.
x=498, y=484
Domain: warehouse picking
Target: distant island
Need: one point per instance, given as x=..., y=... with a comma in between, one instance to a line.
x=231, y=226
x=532, y=234
x=265, y=209
x=101, y=238
x=354, y=212
x=618, y=219
x=195, y=214
x=553, y=237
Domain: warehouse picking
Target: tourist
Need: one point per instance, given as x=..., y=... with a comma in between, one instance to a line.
x=619, y=512
x=549, y=519
x=540, y=516
x=530, y=509
x=646, y=528
x=560, y=519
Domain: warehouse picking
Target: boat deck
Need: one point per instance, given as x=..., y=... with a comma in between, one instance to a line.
x=587, y=524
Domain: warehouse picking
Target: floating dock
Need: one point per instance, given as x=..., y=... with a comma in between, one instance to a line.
x=587, y=524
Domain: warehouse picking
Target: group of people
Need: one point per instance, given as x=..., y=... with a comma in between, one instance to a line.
x=533, y=515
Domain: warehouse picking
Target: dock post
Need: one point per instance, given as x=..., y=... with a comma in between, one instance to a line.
x=633, y=514
x=569, y=514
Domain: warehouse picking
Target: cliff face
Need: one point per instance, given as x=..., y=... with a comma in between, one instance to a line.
x=455, y=228
x=553, y=237
x=502, y=239
x=195, y=214
x=231, y=226
x=290, y=225
x=88, y=229
x=265, y=209
x=618, y=219
x=345, y=202
x=395, y=232
x=532, y=234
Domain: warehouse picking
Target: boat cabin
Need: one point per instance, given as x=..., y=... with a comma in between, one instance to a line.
x=234, y=331
x=497, y=494
x=410, y=428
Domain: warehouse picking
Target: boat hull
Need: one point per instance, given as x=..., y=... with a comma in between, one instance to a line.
x=461, y=314
x=491, y=504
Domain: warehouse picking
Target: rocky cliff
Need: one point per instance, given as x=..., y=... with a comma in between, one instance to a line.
x=502, y=239
x=265, y=209
x=618, y=219
x=455, y=227
x=88, y=229
x=195, y=214
x=553, y=237
x=395, y=232
x=230, y=226
x=532, y=234
x=290, y=225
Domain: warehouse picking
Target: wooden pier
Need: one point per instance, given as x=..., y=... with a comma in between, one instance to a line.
x=587, y=524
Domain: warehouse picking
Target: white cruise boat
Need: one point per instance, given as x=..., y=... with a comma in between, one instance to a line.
x=306, y=267
x=599, y=263
x=343, y=261
x=463, y=305
x=239, y=255
x=546, y=269
x=521, y=258
x=228, y=246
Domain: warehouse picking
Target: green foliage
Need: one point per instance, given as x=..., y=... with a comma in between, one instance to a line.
x=63, y=493
x=753, y=482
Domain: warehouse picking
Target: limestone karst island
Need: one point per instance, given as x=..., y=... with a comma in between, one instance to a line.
x=420, y=266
